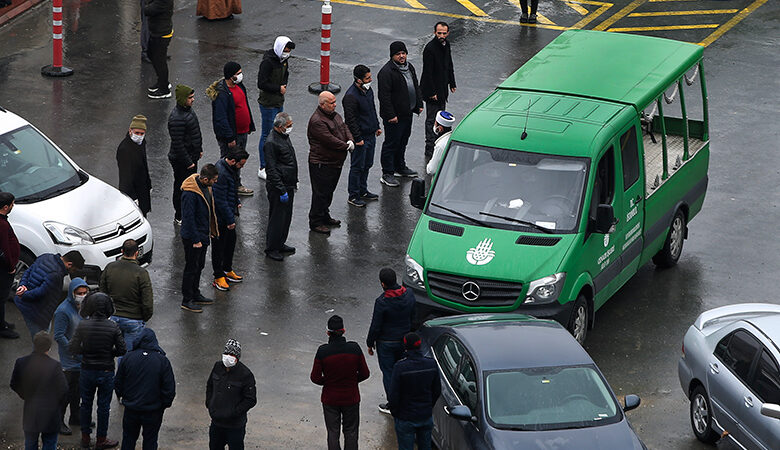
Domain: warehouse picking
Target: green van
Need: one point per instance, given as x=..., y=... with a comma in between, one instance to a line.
x=578, y=169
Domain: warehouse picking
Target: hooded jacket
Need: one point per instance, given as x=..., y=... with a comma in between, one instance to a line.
x=393, y=98
x=438, y=75
x=223, y=110
x=39, y=381
x=281, y=164
x=393, y=315
x=273, y=74
x=134, y=180
x=328, y=136
x=184, y=129
x=198, y=217
x=43, y=280
x=9, y=246
x=230, y=394
x=160, y=13
x=338, y=367
x=144, y=380
x=414, y=387
x=129, y=286
x=226, y=193
x=97, y=339
x=66, y=319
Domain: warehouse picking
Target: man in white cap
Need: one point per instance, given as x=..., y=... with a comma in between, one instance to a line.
x=442, y=129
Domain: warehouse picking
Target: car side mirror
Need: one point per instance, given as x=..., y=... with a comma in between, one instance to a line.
x=605, y=219
x=460, y=412
x=630, y=402
x=770, y=410
x=417, y=194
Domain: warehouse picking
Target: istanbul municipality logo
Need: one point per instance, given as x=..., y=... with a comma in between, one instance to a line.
x=481, y=254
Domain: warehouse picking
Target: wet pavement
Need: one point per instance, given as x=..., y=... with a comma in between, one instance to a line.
x=279, y=312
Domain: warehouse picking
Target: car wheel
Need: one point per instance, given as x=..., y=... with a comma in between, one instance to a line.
x=578, y=323
x=25, y=261
x=672, y=249
x=701, y=416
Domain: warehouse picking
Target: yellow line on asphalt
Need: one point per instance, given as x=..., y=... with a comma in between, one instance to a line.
x=539, y=17
x=730, y=24
x=592, y=16
x=413, y=4
x=619, y=15
x=473, y=8
x=683, y=13
x=577, y=8
x=664, y=28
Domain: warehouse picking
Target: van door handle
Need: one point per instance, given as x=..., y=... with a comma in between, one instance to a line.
x=749, y=401
x=638, y=199
x=714, y=368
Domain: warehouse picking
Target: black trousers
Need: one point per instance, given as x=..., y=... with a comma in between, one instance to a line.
x=6, y=280
x=342, y=417
x=72, y=377
x=222, y=251
x=524, y=6
x=219, y=437
x=431, y=108
x=279, y=219
x=133, y=421
x=194, y=261
x=323, y=182
x=180, y=173
x=158, y=53
x=394, y=146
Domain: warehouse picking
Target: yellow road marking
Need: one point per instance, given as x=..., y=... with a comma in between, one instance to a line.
x=664, y=28
x=539, y=17
x=683, y=13
x=577, y=8
x=592, y=16
x=414, y=4
x=730, y=24
x=619, y=15
x=474, y=8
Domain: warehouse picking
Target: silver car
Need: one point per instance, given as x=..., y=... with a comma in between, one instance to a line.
x=729, y=370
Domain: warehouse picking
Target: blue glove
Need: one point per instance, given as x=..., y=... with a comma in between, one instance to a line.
x=284, y=198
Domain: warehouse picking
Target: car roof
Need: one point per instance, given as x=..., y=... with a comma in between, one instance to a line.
x=769, y=325
x=10, y=121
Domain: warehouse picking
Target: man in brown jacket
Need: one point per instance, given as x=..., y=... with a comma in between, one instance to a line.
x=329, y=142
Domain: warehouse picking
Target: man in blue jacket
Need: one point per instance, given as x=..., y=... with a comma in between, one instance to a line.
x=227, y=204
x=40, y=289
x=145, y=385
x=66, y=319
x=360, y=117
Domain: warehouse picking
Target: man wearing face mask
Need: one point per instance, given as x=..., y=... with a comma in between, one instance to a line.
x=437, y=80
x=442, y=129
x=134, y=180
x=272, y=83
x=66, y=319
x=227, y=203
x=282, y=170
x=186, y=143
x=230, y=394
x=9, y=258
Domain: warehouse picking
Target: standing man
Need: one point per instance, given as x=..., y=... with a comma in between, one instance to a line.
x=391, y=320
x=272, y=83
x=40, y=288
x=230, y=394
x=360, y=116
x=437, y=80
x=338, y=367
x=9, y=258
x=227, y=204
x=282, y=171
x=134, y=178
x=145, y=386
x=160, y=15
x=198, y=226
x=414, y=389
x=98, y=340
x=129, y=286
x=39, y=381
x=399, y=98
x=230, y=113
x=329, y=142
x=66, y=319
x=186, y=143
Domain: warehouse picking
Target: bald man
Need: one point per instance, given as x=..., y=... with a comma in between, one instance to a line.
x=329, y=142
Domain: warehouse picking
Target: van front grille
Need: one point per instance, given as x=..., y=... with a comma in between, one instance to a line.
x=490, y=292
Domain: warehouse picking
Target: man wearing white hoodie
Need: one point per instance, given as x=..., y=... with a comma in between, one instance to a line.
x=272, y=83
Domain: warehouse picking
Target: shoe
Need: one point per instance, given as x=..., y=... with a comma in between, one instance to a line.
x=145, y=58
x=244, y=191
x=274, y=254
x=322, y=229
x=369, y=196
x=233, y=277
x=524, y=18
x=8, y=325
x=287, y=249
x=104, y=442
x=65, y=430
x=389, y=180
x=85, y=440
x=201, y=300
x=160, y=94
x=177, y=222
x=384, y=408
x=191, y=307
x=532, y=18
x=356, y=201
x=152, y=89
x=405, y=172
x=221, y=284
x=261, y=173
x=7, y=333
x=333, y=222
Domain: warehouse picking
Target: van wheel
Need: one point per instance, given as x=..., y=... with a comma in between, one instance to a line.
x=25, y=261
x=578, y=323
x=672, y=249
x=701, y=416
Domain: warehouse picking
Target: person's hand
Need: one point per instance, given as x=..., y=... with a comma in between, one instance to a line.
x=378, y=132
x=452, y=89
x=359, y=143
x=232, y=226
x=419, y=110
x=197, y=245
x=239, y=206
x=21, y=290
x=371, y=351
x=284, y=198
x=191, y=166
x=283, y=89
x=435, y=98
x=201, y=155
x=350, y=146
x=232, y=143
x=12, y=272
x=393, y=120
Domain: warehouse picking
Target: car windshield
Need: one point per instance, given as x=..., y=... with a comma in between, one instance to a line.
x=509, y=189
x=31, y=168
x=550, y=398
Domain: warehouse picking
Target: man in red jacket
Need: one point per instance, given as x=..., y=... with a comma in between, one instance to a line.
x=338, y=367
x=9, y=257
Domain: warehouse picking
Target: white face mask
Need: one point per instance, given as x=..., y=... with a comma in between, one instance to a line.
x=287, y=131
x=239, y=78
x=229, y=360
x=79, y=298
x=136, y=138
x=367, y=86
x=285, y=55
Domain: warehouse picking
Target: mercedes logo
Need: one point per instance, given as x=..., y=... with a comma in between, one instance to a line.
x=470, y=291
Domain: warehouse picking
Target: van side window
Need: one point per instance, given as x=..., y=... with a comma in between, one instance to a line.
x=604, y=186
x=629, y=152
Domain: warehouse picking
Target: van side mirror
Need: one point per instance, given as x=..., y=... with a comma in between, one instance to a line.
x=770, y=410
x=630, y=402
x=417, y=194
x=460, y=412
x=605, y=219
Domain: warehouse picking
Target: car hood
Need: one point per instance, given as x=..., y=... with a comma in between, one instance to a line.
x=608, y=437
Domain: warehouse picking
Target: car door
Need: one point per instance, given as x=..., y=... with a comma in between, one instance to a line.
x=763, y=431
x=630, y=239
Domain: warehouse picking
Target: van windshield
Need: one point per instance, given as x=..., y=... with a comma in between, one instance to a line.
x=32, y=169
x=509, y=189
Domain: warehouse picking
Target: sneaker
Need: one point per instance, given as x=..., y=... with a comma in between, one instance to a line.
x=177, y=222
x=201, y=300
x=244, y=191
x=7, y=333
x=524, y=18
x=160, y=94
x=389, y=180
x=233, y=277
x=221, y=284
x=369, y=196
x=384, y=408
x=261, y=173
x=333, y=222
x=322, y=229
x=405, y=172
x=8, y=325
x=532, y=18
x=274, y=254
x=191, y=307
x=152, y=89
x=356, y=201
x=287, y=249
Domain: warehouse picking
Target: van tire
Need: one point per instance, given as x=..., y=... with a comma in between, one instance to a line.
x=579, y=320
x=672, y=249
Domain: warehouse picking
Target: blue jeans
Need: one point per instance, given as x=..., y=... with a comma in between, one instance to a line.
x=267, y=116
x=49, y=441
x=387, y=353
x=407, y=432
x=361, y=160
x=131, y=330
x=103, y=382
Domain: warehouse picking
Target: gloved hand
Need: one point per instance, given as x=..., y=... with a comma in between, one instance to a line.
x=284, y=198
x=350, y=146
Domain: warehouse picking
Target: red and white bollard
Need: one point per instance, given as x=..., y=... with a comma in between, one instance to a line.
x=325, y=84
x=56, y=69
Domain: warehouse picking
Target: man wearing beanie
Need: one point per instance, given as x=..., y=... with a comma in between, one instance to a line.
x=134, y=178
x=230, y=394
x=186, y=143
x=39, y=381
x=230, y=113
x=160, y=15
x=399, y=98
x=414, y=389
x=338, y=367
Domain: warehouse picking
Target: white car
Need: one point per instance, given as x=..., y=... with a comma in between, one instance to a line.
x=59, y=207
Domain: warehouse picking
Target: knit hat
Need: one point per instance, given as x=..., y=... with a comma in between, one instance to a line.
x=412, y=341
x=139, y=122
x=445, y=119
x=182, y=92
x=232, y=347
x=231, y=68
x=41, y=342
x=335, y=323
x=396, y=47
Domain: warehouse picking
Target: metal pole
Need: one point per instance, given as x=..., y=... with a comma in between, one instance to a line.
x=325, y=84
x=686, y=132
x=665, y=173
x=56, y=69
x=706, y=134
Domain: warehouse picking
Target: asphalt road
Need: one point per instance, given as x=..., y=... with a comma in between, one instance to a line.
x=279, y=313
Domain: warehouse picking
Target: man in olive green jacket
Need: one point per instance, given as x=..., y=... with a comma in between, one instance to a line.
x=129, y=286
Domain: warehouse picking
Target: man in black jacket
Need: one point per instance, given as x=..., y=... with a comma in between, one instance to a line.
x=230, y=394
x=134, y=178
x=226, y=203
x=160, y=14
x=98, y=340
x=399, y=98
x=360, y=117
x=186, y=143
x=282, y=172
x=437, y=80
x=272, y=83
x=145, y=385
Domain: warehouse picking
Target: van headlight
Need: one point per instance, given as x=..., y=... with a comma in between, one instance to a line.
x=67, y=234
x=545, y=290
x=414, y=273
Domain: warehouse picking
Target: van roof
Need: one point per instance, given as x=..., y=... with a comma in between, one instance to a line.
x=608, y=66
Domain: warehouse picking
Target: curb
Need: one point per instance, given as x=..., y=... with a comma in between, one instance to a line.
x=17, y=9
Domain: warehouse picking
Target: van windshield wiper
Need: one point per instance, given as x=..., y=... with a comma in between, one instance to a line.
x=522, y=222
x=464, y=216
